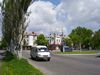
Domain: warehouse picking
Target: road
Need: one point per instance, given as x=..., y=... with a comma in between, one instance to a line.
x=67, y=65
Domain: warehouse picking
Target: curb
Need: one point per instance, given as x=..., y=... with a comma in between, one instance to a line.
x=73, y=54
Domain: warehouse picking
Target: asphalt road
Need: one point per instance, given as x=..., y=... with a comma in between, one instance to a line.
x=67, y=65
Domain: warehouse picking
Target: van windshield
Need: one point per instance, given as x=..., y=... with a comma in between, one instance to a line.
x=43, y=49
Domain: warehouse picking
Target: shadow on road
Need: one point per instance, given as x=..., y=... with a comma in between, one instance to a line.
x=39, y=60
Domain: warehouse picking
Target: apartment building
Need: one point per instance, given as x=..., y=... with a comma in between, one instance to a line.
x=55, y=41
x=29, y=40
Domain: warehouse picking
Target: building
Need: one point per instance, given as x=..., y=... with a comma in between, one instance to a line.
x=29, y=40
x=55, y=41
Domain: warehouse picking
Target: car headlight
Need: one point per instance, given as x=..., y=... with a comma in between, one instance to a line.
x=39, y=54
x=49, y=55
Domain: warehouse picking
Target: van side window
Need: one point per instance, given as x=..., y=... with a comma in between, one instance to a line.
x=35, y=49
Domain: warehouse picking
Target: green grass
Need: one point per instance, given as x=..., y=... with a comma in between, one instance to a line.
x=78, y=52
x=15, y=66
x=0, y=64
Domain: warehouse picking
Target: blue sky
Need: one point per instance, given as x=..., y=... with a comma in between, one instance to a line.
x=56, y=2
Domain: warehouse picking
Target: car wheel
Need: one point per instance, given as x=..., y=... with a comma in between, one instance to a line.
x=48, y=59
x=31, y=57
x=36, y=58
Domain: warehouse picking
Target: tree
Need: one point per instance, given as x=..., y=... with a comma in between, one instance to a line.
x=68, y=41
x=41, y=40
x=13, y=25
x=96, y=40
x=81, y=36
x=3, y=44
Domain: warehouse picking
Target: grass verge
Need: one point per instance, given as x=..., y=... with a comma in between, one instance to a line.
x=78, y=52
x=13, y=66
x=0, y=66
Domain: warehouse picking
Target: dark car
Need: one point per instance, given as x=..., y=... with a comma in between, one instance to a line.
x=67, y=49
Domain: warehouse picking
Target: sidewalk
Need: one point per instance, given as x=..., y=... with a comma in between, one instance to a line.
x=54, y=51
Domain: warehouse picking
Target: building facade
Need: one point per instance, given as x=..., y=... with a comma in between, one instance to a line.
x=29, y=40
x=55, y=41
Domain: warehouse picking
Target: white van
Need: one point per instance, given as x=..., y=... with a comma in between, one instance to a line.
x=40, y=52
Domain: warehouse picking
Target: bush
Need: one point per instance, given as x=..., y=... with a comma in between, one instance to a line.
x=9, y=56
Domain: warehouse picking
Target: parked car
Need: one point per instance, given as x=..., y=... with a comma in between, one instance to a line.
x=98, y=54
x=40, y=52
x=67, y=49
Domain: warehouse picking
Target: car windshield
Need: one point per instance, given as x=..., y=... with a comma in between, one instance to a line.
x=43, y=49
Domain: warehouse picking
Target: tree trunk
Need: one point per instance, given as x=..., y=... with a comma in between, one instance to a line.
x=11, y=47
x=19, y=51
x=19, y=54
x=80, y=47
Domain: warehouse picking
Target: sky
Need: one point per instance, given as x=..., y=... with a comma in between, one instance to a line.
x=49, y=16
x=55, y=2
x=0, y=20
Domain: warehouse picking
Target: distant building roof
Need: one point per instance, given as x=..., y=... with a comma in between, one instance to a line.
x=30, y=34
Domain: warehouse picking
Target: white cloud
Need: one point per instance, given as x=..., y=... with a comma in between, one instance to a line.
x=82, y=13
x=0, y=19
x=45, y=17
x=69, y=14
x=1, y=1
x=0, y=22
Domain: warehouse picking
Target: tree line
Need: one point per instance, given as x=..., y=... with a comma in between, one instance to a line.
x=83, y=38
x=80, y=38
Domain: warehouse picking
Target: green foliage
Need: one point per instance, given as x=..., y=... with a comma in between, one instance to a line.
x=9, y=56
x=3, y=44
x=68, y=41
x=13, y=26
x=96, y=40
x=14, y=66
x=41, y=40
x=81, y=35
